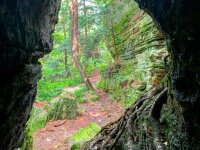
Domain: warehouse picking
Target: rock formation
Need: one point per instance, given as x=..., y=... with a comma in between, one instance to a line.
x=138, y=49
x=25, y=36
x=179, y=21
x=160, y=119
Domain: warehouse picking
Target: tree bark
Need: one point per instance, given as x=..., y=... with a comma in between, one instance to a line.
x=66, y=55
x=86, y=30
x=75, y=46
x=86, y=34
x=70, y=7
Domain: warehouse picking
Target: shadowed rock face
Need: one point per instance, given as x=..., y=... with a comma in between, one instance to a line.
x=180, y=22
x=25, y=36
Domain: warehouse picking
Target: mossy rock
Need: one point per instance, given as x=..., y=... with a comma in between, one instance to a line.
x=76, y=146
x=64, y=108
x=37, y=119
x=28, y=140
x=84, y=135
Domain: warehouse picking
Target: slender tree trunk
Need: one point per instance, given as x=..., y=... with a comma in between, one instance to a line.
x=65, y=51
x=86, y=30
x=70, y=7
x=79, y=50
x=86, y=33
x=75, y=46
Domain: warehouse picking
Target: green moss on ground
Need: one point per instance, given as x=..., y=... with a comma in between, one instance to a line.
x=84, y=135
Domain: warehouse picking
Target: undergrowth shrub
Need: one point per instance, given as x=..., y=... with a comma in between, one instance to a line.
x=54, y=77
x=100, y=84
x=64, y=108
x=125, y=95
x=49, y=89
x=79, y=93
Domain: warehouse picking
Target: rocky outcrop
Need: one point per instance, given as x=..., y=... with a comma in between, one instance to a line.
x=25, y=36
x=135, y=38
x=138, y=49
x=179, y=21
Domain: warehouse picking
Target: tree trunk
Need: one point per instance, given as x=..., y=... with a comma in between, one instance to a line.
x=70, y=7
x=86, y=30
x=86, y=35
x=75, y=46
x=65, y=51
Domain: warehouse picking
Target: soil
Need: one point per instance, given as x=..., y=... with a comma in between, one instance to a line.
x=56, y=134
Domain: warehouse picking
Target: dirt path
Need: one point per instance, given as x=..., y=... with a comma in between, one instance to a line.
x=56, y=135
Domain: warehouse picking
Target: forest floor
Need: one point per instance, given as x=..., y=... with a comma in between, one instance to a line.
x=56, y=134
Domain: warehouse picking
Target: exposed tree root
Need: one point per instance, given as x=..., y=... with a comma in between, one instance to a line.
x=154, y=118
x=146, y=107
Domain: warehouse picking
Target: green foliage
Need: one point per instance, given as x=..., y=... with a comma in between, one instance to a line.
x=122, y=13
x=84, y=135
x=106, y=58
x=37, y=119
x=79, y=93
x=100, y=84
x=100, y=62
x=64, y=108
x=54, y=78
x=119, y=85
x=47, y=89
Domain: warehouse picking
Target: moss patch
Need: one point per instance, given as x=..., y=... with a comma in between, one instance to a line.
x=37, y=119
x=28, y=140
x=84, y=135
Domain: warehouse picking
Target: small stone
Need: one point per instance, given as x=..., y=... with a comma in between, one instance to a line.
x=48, y=140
